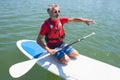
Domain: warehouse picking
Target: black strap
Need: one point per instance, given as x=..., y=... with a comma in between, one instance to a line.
x=57, y=39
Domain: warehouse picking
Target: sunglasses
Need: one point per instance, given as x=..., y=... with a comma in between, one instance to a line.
x=57, y=11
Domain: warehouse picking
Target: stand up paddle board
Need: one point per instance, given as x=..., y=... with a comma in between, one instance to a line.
x=82, y=68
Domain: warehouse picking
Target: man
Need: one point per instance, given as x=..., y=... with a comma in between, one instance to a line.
x=54, y=34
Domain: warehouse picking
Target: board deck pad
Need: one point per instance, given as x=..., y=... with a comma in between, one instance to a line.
x=82, y=68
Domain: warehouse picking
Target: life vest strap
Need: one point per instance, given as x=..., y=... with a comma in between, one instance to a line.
x=57, y=39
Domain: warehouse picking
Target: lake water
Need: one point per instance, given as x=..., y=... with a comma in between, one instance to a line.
x=21, y=19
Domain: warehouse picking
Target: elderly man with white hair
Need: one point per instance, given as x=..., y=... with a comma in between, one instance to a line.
x=53, y=30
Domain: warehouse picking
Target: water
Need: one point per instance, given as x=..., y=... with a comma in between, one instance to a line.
x=21, y=19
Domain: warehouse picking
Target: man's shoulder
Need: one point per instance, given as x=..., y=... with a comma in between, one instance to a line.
x=64, y=20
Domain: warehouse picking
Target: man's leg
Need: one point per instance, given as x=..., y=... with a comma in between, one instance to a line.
x=74, y=54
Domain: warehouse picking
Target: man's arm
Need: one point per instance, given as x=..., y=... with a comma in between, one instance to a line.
x=40, y=42
x=87, y=21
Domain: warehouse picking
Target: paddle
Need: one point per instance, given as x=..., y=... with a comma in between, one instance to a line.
x=19, y=69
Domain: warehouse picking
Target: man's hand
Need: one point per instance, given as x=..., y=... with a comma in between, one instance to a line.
x=90, y=21
x=51, y=51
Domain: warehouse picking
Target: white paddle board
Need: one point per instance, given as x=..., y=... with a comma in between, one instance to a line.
x=82, y=68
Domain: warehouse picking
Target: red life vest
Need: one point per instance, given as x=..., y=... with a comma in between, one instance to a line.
x=56, y=34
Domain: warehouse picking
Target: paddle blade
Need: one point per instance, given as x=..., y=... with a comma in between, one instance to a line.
x=19, y=69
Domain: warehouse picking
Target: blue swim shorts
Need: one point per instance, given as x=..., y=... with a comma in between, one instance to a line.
x=61, y=53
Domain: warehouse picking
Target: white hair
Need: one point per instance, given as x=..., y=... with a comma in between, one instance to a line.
x=51, y=7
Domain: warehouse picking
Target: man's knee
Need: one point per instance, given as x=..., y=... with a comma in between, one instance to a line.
x=65, y=59
x=74, y=54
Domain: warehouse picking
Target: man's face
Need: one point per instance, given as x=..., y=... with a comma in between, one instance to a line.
x=55, y=13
